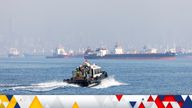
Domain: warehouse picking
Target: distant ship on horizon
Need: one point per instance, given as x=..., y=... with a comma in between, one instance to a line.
x=103, y=53
x=58, y=53
x=14, y=52
x=61, y=53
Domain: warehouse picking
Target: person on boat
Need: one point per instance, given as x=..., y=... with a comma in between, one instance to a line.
x=83, y=71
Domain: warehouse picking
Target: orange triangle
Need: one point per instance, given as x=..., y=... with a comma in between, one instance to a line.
x=75, y=105
x=12, y=103
x=4, y=98
x=119, y=96
x=2, y=106
x=36, y=103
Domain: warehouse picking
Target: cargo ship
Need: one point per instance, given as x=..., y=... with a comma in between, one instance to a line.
x=14, y=52
x=103, y=53
x=184, y=55
x=58, y=53
x=61, y=53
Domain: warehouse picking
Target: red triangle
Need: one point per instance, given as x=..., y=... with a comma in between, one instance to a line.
x=141, y=105
x=150, y=99
x=169, y=98
x=169, y=105
x=180, y=104
x=159, y=103
x=119, y=96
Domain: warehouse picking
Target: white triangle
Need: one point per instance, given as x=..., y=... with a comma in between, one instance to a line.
x=165, y=103
x=99, y=100
x=148, y=104
x=5, y=104
x=184, y=97
x=107, y=103
x=175, y=105
x=24, y=101
x=154, y=106
x=145, y=98
x=154, y=97
x=55, y=103
x=190, y=96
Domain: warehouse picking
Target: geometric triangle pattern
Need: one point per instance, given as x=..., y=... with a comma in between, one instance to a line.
x=119, y=96
x=96, y=101
x=187, y=103
x=36, y=103
x=132, y=103
x=8, y=101
x=75, y=105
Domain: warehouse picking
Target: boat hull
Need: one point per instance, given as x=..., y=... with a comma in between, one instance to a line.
x=87, y=82
x=132, y=56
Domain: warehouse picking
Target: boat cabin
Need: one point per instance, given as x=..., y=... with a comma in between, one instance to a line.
x=87, y=71
x=95, y=71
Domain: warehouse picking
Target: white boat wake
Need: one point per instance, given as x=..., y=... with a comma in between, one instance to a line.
x=47, y=86
x=52, y=85
x=109, y=82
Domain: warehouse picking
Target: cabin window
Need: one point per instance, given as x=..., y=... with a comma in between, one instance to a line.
x=97, y=71
x=91, y=72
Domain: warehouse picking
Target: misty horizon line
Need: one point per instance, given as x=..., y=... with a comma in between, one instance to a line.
x=101, y=46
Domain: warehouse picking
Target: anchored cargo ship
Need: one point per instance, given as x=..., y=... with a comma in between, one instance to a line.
x=14, y=52
x=58, y=53
x=103, y=53
x=61, y=53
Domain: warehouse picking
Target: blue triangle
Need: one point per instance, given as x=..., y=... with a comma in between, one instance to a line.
x=132, y=103
x=178, y=98
x=17, y=105
x=9, y=97
x=187, y=103
x=161, y=97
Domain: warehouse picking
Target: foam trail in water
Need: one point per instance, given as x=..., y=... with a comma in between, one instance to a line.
x=109, y=82
x=8, y=85
x=47, y=86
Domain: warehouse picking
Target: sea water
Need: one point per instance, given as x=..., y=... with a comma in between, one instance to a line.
x=39, y=75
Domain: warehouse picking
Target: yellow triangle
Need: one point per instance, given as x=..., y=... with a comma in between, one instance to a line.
x=75, y=105
x=36, y=103
x=2, y=106
x=12, y=103
x=4, y=98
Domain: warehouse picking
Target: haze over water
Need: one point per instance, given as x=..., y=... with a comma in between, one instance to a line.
x=80, y=23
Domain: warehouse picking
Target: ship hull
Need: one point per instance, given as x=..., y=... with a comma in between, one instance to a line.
x=184, y=55
x=65, y=56
x=132, y=56
x=87, y=82
x=58, y=56
x=14, y=56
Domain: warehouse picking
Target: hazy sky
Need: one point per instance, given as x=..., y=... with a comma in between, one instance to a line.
x=28, y=24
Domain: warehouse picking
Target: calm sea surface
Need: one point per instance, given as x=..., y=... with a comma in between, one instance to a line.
x=45, y=76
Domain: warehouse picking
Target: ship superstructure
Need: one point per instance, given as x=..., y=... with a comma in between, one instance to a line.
x=119, y=53
x=58, y=53
x=14, y=52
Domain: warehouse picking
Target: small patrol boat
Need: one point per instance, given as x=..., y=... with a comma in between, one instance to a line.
x=86, y=75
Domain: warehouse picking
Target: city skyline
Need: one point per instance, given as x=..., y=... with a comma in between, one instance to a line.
x=78, y=24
